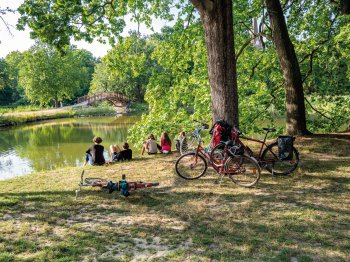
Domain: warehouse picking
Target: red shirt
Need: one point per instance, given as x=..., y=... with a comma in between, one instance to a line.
x=165, y=146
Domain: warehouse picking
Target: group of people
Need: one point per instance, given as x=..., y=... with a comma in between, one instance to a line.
x=94, y=154
x=151, y=147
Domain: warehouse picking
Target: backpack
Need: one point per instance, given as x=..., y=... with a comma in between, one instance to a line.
x=220, y=131
x=285, y=147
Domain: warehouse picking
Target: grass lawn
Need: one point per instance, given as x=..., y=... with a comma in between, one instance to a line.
x=302, y=217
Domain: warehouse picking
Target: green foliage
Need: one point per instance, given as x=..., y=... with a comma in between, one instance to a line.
x=179, y=92
x=47, y=76
x=126, y=68
x=86, y=62
x=3, y=74
x=54, y=22
x=10, y=91
x=323, y=63
x=173, y=63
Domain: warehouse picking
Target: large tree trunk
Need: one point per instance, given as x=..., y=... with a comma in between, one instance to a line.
x=345, y=7
x=295, y=105
x=216, y=16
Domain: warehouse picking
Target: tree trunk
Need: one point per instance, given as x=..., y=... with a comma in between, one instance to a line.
x=139, y=91
x=345, y=7
x=217, y=20
x=295, y=105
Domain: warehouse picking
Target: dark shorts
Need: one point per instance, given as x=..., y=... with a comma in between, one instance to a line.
x=91, y=160
x=116, y=156
x=151, y=153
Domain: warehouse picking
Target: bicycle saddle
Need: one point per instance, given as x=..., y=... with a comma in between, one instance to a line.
x=269, y=129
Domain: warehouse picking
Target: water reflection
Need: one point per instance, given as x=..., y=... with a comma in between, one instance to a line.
x=58, y=143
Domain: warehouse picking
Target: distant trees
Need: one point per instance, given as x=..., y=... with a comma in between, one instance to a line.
x=10, y=90
x=3, y=74
x=47, y=76
x=126, y=68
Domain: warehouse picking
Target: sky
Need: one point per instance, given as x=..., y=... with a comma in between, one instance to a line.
x=20, y=40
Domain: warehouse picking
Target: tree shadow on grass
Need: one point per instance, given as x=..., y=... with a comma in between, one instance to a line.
x=224, y=226
x=298, y=216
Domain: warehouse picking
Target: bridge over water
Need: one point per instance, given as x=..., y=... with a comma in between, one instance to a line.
x=117, y=99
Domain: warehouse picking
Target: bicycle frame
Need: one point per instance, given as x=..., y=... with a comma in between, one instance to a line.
x=219, y=168
x=263, y=144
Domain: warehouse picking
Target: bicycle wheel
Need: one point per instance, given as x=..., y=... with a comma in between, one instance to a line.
x=276, y=166
x=243, y=170
x=191, y=166
x=94, y=181
x=217, y=154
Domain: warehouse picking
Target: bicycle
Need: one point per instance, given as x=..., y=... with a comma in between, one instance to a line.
x=123, y=186
x=243, y=170
x=267, y=158
x=188, y=145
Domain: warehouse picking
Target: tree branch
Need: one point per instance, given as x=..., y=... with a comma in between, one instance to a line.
x=248, y=41
x=253, y=69
x=317, y=111
x=313, y=52
x=7, y=25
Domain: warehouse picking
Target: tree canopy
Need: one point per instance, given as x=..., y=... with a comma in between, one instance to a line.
x=172, y=66
x=47, y=76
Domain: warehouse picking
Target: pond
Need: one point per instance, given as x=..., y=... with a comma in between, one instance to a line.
x=57, y=143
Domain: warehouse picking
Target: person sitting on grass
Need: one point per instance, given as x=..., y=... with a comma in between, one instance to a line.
x=116, y=154
x=181, y=141
x=94, y=154
x=165, y=143
x=150, y=145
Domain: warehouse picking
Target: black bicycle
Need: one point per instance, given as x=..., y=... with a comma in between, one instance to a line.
x=269, y=156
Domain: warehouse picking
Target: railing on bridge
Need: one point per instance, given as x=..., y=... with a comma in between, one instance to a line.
x=111, y=96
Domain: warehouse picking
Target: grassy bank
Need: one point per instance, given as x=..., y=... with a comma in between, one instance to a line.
x=303, y=217
x=17, y=118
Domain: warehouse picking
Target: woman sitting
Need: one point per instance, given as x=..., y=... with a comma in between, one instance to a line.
x=181, y=142
x=150, y=145
x=165, y=143
x=94, y=154
x=116, y=154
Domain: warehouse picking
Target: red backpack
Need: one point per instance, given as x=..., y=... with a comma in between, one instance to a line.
x=220, y=131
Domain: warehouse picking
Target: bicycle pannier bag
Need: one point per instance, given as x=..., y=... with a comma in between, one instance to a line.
x=285, y=147
x=220, y=132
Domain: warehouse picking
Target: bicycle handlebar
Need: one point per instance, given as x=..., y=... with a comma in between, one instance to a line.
x=205, y=126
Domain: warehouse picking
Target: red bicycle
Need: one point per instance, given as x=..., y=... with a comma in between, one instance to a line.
x=243, y=170
x=123, y=186
x=268, y=156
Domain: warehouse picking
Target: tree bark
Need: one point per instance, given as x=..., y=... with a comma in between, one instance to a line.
x=345, y=7
x=217, y=20
x=295, y=105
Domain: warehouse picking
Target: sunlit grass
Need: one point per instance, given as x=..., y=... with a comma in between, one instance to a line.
x=22, y=115
x=27, y=108
x=302, y=217
x=16, y=118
